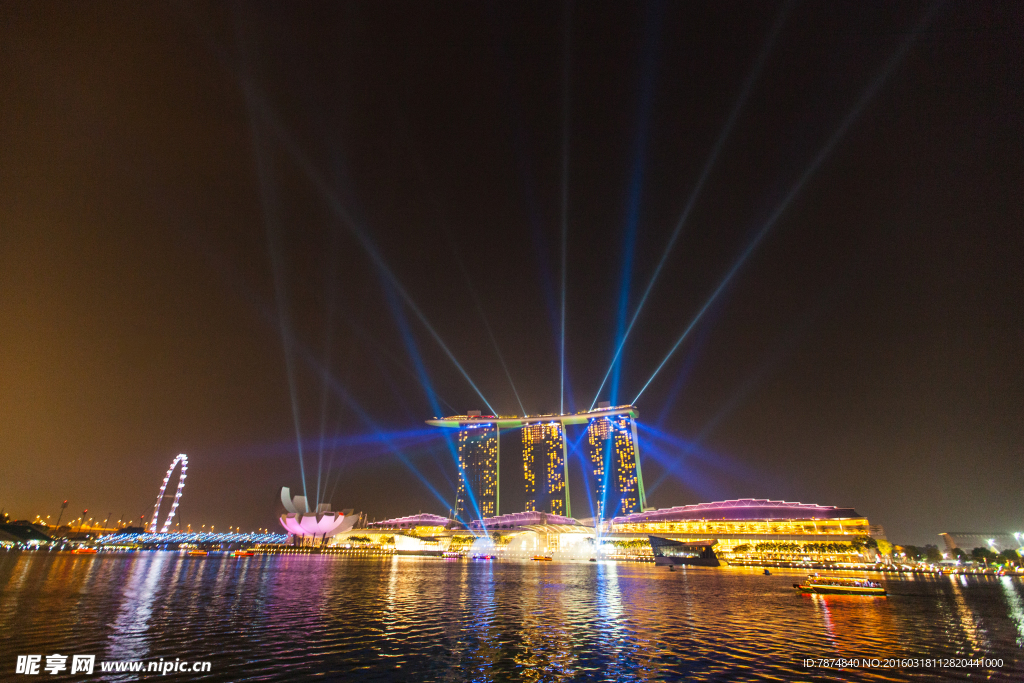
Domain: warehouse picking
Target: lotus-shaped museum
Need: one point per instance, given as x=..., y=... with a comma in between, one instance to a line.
x=323, y=523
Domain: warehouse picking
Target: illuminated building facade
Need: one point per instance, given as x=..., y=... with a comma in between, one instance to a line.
x=746, y=522
x=612, y=445
x=617, y=482
x=750, y=529
x=309, y=526
x=423, y=524
x=544, y=468
x=478, y=471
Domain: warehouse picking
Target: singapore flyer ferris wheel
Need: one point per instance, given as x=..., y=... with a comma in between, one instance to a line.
x=183, y=459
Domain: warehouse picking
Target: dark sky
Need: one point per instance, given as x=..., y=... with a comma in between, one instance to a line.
x=199, y=201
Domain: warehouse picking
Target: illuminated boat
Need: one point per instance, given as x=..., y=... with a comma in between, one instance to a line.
x=684, y=553
x=197, y=553
x=242, y=553
x=839, y=585
x=84, y=551
x=542, y=558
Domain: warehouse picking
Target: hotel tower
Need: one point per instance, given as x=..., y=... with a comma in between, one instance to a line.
x=614, y=481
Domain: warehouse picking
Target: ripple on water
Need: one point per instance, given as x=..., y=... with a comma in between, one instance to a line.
x=277, y=618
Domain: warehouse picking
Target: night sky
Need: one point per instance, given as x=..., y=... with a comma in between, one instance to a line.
x=221, y=225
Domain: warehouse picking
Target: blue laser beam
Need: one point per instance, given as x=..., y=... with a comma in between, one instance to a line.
x=394, y=441
x=680, y=470
x=341, y=392
x=341, y=212
x=695, y=193
x=412, y=349
x=566, y=66
x=361, y=446
x=688, y=366
x=259, y=107
x=453, y=246
x=421, y=370
x=352, y=441
x=487, y=326
x=867, y=95
x=532, y=207
x=376, y=347
x=692, y=448
x=649, y=69
x=266, y=314
x=778, y=352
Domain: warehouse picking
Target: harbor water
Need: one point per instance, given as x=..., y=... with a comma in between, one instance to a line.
x=295, y=618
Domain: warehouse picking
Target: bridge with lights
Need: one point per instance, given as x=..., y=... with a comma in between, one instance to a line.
x=175, y=540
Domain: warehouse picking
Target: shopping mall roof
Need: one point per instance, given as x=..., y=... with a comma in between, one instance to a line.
x=457, y=421
x=23, y=533
x=424, y=519
x=741, y=510
x=969, y=540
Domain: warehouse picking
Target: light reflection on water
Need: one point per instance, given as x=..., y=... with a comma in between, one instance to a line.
x=1012, y=590
x=405, y=618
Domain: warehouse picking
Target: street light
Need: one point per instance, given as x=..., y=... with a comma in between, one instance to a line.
x=63, y=506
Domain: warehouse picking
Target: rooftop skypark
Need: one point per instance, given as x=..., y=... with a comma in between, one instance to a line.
x=503, y=422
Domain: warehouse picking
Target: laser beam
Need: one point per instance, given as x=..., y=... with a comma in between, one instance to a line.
x=566, y=64
x=269, y=206
x=421, y=370
x=730, y=122
x=333, y=202
x=264, y=312
x=487, y=325
x=636, y=177
x=341, y=212
x=866, y=96
x=328, y=339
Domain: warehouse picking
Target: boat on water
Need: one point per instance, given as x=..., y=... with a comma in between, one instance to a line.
x=242, y=553
x=542, y=558
x=823, y=584
x=484, y=557
x=684, y=553
x=84, y=551
x=197, y=553
x=453, y=554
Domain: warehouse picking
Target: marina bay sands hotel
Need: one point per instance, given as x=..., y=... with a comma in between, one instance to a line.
x=612, y=472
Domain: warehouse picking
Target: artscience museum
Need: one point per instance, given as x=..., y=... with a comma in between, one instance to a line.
x=312, y=527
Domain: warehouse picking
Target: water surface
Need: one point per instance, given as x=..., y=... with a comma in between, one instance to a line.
x=294, y=618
